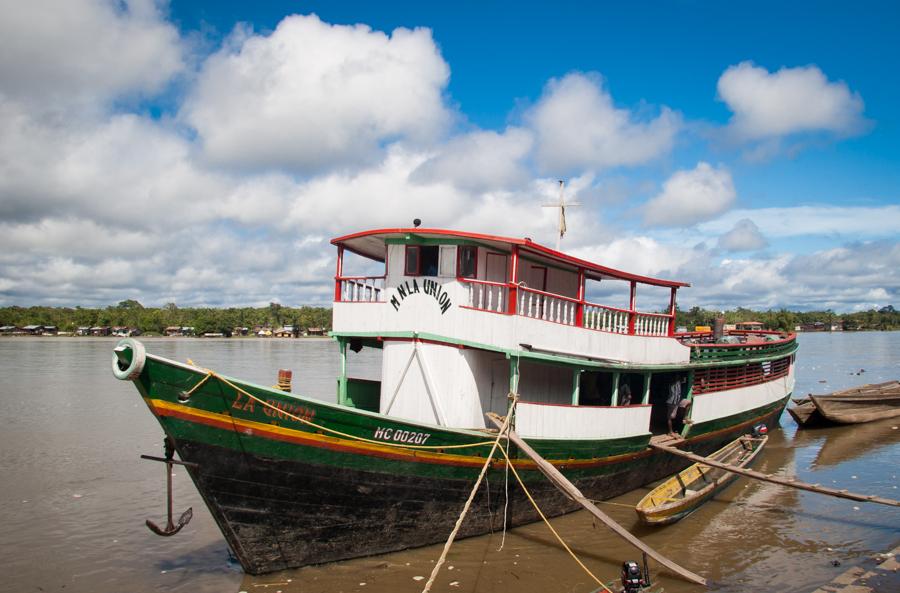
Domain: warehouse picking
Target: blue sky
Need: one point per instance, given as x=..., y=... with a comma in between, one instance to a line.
x=203, y=153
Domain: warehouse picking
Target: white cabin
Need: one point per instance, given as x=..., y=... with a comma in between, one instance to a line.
x=465, y=318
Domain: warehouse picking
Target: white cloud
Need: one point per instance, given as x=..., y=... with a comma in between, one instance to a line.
x=745, y=236
x=689, y=197
x=814, y=220
x=578, y=127
x=56, y=54
x=312, y=95
x=480, y=161
x=788, y=101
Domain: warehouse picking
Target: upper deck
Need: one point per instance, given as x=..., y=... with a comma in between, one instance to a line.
x=500, y=293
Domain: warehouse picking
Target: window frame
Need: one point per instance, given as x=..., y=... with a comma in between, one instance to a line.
x=419, y=260
x=418, y=270
x=459, y=250
x=453, y=260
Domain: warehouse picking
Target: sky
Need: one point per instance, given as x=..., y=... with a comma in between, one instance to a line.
x=205, y=153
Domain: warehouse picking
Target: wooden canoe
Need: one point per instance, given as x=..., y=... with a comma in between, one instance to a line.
x=683, y=493
x=806, y=412
x=846, y=409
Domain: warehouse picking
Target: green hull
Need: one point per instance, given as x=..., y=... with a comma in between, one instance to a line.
x=293, y=481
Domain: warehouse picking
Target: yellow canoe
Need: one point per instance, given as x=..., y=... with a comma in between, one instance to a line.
x=684, y=492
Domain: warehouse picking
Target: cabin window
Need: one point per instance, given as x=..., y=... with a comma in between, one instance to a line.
x=421, y=260
x=468, y=261
x=448, y=261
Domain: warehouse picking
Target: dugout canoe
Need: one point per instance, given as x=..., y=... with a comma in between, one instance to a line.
x=683, y=493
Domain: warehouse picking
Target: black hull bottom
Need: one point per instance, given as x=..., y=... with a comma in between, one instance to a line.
x=277, y=514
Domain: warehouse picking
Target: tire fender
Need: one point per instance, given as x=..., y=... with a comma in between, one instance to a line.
x=138, y=358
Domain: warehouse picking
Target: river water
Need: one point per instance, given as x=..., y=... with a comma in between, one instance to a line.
x=74, y=493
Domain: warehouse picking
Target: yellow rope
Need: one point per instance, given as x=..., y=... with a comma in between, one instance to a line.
x=462, y=515
x=538, y=509
x=345, y=435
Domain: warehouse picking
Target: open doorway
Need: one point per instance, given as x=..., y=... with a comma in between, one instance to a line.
x=668, y=396
x=595, y=388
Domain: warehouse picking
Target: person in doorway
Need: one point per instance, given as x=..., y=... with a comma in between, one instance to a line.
x=624, y=394
x=672, y=402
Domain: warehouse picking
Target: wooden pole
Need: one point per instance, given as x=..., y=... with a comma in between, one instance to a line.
x=776, y=480
x=569, y=489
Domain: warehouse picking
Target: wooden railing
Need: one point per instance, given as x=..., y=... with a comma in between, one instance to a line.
x=360, y=289
x=547, y=306
x=508, y=298
x=608, y=319
x=486, y=296
x=651, y=324
x=733, y=377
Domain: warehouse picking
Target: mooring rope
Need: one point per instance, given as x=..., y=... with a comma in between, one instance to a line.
x=547, y=521
x=211, y=374
x=462, y=515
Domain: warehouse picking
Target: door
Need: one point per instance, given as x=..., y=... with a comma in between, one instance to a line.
x=496, y=267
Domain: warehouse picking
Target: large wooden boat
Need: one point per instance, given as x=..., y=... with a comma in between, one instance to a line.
x=683, y=493
x=461, y=320
x=856, y=405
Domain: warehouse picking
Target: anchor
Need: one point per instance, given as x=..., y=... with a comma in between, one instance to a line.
x=185, y=518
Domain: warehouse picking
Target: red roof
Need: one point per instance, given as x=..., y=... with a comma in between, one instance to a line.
x=371, y=244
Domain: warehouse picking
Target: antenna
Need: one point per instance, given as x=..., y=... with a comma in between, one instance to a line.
x=562, y=211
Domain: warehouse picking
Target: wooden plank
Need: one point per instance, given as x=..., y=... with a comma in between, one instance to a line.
x=569, y=489
x=776, y=480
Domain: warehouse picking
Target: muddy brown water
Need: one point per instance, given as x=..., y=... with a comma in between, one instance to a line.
x=74, y=493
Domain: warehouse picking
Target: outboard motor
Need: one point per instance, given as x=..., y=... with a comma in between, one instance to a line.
x=633, y=580
x=760, y=430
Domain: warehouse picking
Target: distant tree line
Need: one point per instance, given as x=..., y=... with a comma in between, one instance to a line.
x=885, y=318
x=131, y=313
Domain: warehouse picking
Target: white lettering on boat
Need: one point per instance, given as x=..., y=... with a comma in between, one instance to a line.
x=401, y=436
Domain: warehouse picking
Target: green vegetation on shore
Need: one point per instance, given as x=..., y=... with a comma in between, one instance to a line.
x=132, y=314
x=885, y=318
x=153, y=320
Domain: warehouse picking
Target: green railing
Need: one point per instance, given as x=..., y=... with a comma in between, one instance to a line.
x=727, y=352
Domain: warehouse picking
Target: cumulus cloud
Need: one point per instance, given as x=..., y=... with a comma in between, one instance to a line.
x=480, y=161
x=745, y=236
x=813, y=220
x=312, y=96
x=83, y=51
x=792, y=100
x=578, y=127
x=689, y=197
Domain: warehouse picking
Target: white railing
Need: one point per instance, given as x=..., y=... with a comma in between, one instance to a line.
x=608, y=319
x=651, y=324
x=362, y=289
x=547, y=306
x=486, y=296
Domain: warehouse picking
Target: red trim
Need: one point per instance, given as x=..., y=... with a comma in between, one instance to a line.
x=632, y=303
x=301, y=440
x=672, y=312
x=550, y=294
x=487, y=282
x=512, y=307
x=528, y=244
x=337, y=274
x=579, y=310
